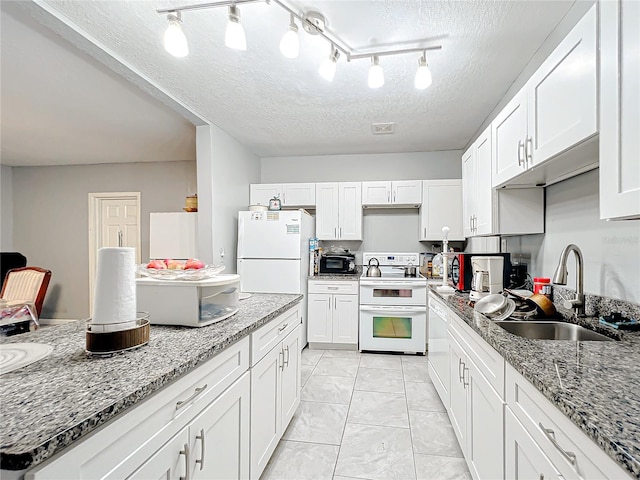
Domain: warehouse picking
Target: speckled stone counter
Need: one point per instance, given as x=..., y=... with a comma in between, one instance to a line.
x=351, y=277
x=49, y=404
x=596, y=384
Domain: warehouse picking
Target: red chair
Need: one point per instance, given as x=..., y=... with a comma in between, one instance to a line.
x=28, y=284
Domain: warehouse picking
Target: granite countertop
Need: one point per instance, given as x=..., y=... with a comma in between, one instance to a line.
x=352, y=277
x=53, y=402
x=594, y=384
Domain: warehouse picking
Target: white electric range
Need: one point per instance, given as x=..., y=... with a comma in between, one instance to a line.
x=393, y=306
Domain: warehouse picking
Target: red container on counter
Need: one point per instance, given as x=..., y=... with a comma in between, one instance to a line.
x=542, y=285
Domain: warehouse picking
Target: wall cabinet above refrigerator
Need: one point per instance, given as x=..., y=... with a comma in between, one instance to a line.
x=290, y=194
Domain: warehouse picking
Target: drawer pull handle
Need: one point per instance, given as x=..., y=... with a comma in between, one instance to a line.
x=185, y=452
x=197, y=392
x=201, y=438
x=332, y=288
x=280, y=329
x=551, y=435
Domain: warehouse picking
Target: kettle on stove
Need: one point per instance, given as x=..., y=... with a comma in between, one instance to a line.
x=374, y=270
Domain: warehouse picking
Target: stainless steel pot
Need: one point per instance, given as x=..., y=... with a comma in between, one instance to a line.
x=374, y=270
x=410, y=270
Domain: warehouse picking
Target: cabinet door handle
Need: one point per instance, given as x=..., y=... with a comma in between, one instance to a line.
x=281, y=355
x=340, y=232
x=394, y=197
x=286, y=362
x=542, y=476
x=520, y=153
x=471, y=223
x=425, y=232
x=460, y=369
x=284, y=198
x=465, y=383
x=185, y=452
x=281, y=328
x=551, y=435
x=335, y=232
x=475, y=223
x=388, y=196
x=201, y=438
x=197, y=392
x=529, y=150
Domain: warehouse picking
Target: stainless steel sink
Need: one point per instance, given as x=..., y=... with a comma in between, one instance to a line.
x=551, y=331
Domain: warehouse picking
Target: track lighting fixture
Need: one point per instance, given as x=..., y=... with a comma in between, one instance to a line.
x=174, y=40
x=376, y=75
x=290, y=43
x=423, y=75
x=328, y=67
x=234, y=36
x=312, y=22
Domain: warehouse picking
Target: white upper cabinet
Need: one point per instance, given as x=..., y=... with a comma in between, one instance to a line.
x=441, y=206
x=555, y=111
x=487, y=211
x=620, y=109
x=339, y=211
x=290, y=194
x=392, y=193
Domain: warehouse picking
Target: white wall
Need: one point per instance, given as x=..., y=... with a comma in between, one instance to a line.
x=354, y=168
x=6, y=209
x=51, y=218
x=611, y=250
x=225, y=170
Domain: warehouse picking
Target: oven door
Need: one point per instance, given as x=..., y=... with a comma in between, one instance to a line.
x=393, y=329
x=385, y=292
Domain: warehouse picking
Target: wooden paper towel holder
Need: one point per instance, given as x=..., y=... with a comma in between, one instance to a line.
x=105, y=343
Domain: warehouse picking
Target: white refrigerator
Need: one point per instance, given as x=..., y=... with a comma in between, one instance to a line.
x=273, y=254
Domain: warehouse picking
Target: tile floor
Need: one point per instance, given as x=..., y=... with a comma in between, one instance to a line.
x=367, y=416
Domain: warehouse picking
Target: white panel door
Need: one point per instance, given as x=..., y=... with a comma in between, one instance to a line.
x=266, y=409
x=562, y=95
x=509, y=132
x=168, y=463
x=327, y=211
x=483, y=222
x=345, y=319
x=270, y=276
x=406, y=192
x=220, y=436
x=269, y=234
x=376, y=193
x=485, y=427
x=299, y=194
x=261, y=193
x=441, y=205
x=619, y=109
x=469, y=179
x=350, y=217
x=458, y=392
x=290, y=371
x=320, y=325
x=524, y=460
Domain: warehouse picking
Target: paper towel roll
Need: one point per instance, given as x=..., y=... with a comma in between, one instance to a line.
x=114, y=299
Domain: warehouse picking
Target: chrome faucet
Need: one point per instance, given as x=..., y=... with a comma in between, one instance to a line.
x=560, y=278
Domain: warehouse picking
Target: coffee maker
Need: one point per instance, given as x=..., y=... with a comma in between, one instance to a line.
x=487, y=277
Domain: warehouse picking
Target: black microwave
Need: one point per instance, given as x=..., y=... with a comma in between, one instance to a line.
x=338, y=263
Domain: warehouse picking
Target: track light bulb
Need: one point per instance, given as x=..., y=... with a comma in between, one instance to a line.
x=174, y=40
x=328, y=67
x=376, y=75
x=234, y=36
x=290, y=43
x=423, y=75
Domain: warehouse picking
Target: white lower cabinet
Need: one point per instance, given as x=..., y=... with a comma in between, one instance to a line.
x=275, y=393
x=215, y=446
x=524, y=459
x=333, y=312
x=476, y=413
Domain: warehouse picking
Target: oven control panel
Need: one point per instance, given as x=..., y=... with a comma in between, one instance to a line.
x=391, y=259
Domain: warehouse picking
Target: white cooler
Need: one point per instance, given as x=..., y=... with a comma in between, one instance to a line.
x=190, y=303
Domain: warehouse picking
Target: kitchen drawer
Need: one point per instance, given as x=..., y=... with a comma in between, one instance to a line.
x=346, y=287
x=488, y=361
x=119, y=447
x=272, y=333
x=536, y=413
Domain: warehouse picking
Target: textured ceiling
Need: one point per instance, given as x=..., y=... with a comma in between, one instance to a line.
x=277, y=106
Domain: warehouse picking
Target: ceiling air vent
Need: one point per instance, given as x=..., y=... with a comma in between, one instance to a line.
x=383, y=128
